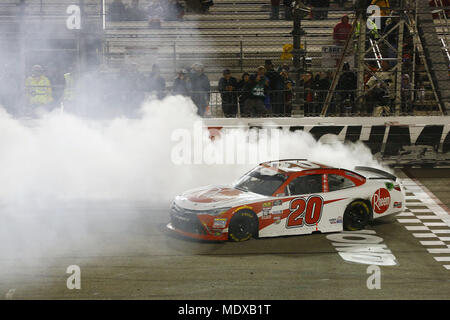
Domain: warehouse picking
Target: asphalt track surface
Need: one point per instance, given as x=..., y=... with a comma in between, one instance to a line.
x=138, y=259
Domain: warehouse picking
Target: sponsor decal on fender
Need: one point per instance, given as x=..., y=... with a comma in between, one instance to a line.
x=397, y=205
x=267, y=204
x=381, y=200
x=220, y=223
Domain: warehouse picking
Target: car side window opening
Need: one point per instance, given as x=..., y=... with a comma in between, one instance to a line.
x=306, y=184
x=338, y=182
x=262, y=181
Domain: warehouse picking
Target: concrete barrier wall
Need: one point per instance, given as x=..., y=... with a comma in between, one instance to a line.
x=395, y=140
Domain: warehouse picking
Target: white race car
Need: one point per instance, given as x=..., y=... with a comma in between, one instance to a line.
x=287, y=197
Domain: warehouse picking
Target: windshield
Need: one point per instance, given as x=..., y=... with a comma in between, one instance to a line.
x=261, y=180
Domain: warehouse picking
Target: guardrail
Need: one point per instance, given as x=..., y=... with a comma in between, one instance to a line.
x=110, y=96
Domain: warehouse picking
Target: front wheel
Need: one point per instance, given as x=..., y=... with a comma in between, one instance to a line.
x=356, y=216
x=242, y=226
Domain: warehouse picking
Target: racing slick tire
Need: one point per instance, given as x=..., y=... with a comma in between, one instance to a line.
x=243, y=226
x=356, y=215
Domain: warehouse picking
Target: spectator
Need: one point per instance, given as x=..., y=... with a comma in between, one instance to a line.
x=180, y=84
x=381, y=90
x=288, y=9
x=155, y=12
x=275, y=9
x=135, y=13
x=276, y=86
x=406, y=95
x=156, y=83
x=38, y=89
x=342, y=31
x=346, y=89
x=320, y=10
x=288, y=92
x=206, y=4
x=240, y=87
x=228, y=93
x=284, y=67
x=321, y=86
x=255, y=93
x=117, y=11
x=384, y=12
x=200, y=87
x=308, y=80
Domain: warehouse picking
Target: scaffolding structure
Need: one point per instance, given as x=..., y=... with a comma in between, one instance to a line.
x=412, y=18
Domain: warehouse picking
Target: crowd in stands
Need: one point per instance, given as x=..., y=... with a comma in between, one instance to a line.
x=266, y=91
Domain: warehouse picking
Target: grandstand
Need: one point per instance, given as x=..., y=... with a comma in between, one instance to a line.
x=235, y=34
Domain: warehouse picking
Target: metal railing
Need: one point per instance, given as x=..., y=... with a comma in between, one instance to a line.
x=115, y=100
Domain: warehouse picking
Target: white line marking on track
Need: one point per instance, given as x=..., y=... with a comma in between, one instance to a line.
x=429, y=217
x=432, y=243
x=405, y=214
x=425, y=235
x=416, y=228
x=421, y=206
x=438, y=250
x=409, y=220
x=442, y=258
x=440, y=231
x=421, y=210
x=435, y=224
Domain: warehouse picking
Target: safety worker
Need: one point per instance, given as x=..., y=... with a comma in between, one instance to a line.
x=370, y=25
x=384, y=11
x=38, y=88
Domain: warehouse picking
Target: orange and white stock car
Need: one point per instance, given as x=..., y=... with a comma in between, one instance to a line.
x=287, y=197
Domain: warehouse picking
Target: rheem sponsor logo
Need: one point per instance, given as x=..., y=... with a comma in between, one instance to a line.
x=381, y=200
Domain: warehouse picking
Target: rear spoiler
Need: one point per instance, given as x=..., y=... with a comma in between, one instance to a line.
x=384, y=174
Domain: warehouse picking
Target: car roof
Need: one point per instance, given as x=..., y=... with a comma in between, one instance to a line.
x=289, y=166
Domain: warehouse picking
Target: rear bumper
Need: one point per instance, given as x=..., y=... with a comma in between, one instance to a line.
x=211, y=237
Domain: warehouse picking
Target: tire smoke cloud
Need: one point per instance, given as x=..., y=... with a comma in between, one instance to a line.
x=59, y=161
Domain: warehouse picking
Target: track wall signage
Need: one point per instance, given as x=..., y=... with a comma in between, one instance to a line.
x=409, y=140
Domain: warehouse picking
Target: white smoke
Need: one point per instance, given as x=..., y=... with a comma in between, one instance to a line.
x=59, y=161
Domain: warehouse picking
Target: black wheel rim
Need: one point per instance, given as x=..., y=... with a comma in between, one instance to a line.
x=243, y=228
x=358, y=217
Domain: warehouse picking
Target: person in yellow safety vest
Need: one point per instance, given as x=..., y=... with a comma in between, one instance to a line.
x=38, y=88
x=68, y=88
x=384, y=11
x=373, y=30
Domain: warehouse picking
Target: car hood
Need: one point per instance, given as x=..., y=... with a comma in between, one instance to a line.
x=211, y=197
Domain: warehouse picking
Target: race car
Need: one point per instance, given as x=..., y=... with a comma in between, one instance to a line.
x=287, y=197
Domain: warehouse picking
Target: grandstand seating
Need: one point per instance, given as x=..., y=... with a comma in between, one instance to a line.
x=235, y=34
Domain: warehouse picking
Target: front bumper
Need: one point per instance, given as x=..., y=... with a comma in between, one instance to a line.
x=195, y=226
x=207, y=236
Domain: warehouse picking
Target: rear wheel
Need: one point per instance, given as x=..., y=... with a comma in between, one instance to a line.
x=356, y=216
x=243, y=226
